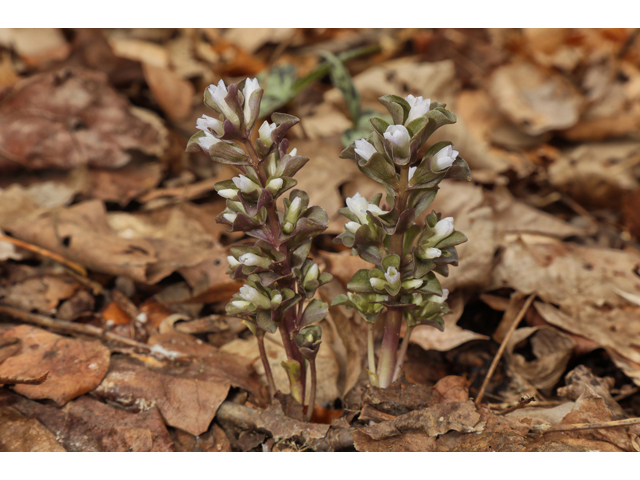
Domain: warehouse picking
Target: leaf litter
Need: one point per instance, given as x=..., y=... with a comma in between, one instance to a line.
x=92, y=144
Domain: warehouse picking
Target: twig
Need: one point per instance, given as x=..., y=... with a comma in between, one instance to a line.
x=368, y=413
x=503, y=345
x=76, y=267
x=69, y=327
x=546, y=427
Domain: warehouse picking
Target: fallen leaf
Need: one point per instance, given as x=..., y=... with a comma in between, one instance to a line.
x=251, y=40
x=75, y=366
x=88, y=425
x=431, y=339
x=68, y=118
x=36, y=46
x=173, y=94
x=123, y=184
x=536, y=100
x=21, y=434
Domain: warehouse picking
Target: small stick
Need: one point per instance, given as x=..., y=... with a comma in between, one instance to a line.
x=76, y=267
x=584, y=426
x=503, y=345
x=69, y=327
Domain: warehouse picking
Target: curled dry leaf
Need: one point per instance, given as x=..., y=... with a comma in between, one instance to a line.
x=42, y=293
x=552, y=350
x=71, y=117
x=431, y=339
x=537, y=101
x=75, y=366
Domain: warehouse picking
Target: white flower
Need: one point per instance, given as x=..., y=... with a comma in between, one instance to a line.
x=232, y=261
x=276, y=300
x=241, y=304
x=230, y=217
x=245, y=184
x=275, y=184
x=442, y=299
x=412, y=172
x=411, y=283
x=293, y=152
x=352, y=226
x=378, y=283
x=443, y=159
x=229, y=193
x=250, y=86
x=312, y=274
x=392, y=275
x=359, y=206
x=252, y=295
x=218, y=94
x=208, y=140
x=419, y=107
x=265, y=131
x=399, y=137
x=431, y=253
x=443, y=229
x=206, y=124
x=253, y=260
x=364, y=149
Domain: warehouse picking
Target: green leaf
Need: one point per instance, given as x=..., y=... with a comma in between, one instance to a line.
x=360, y=282
x=398, y=108
x=265, y=322
x=224, y=152
x=315, y=311
x=456, y=238
x=341, y=79
x=459, y=170
x=279, y=83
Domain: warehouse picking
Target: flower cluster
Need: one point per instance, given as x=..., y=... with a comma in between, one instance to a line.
x=280, y=278
x=405, y=255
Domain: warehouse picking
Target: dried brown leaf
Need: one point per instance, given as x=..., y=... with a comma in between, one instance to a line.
x=21, y=434
x=75, y=366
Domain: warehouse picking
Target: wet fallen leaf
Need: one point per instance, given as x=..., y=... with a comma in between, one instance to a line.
x=75, y=366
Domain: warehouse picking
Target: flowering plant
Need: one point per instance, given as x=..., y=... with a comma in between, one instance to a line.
x=281, y=279
x=405, y=255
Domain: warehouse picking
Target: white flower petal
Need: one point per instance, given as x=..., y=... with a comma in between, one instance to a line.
x=250, y=86
x=419, y=107
x=392, y=275
x=412, y=171
x=431, y=253
x=378, y=283
x=364, y=149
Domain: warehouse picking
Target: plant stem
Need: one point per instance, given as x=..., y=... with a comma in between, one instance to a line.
x=314, y=382
x=373, y=378
x=393, y=317
x=402, y=353
x=288, y=324
x=265, y=363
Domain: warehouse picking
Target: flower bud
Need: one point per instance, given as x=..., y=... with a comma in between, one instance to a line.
x=359, y=206
x=207, y=124
x=265, y=131
x=431, y=253
x=276, y=300
x=245, y=184
x=399, y=137
x=252, y=295
x=412, y=172
x=411, y=283
x=364, y=149
x=293, y=152
x=253, y=260
x=230, y=217
x=311, y=275
x=274, y=185
x=229, y=193
x=442, y=299
x=241, y=304
x=232, y=261
x=443, y=229
x=291, y=217
x=443, y=159
x=218, y=95
x=250, y=86
x=352, y=226
x=377, y=283
x=419, y=107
